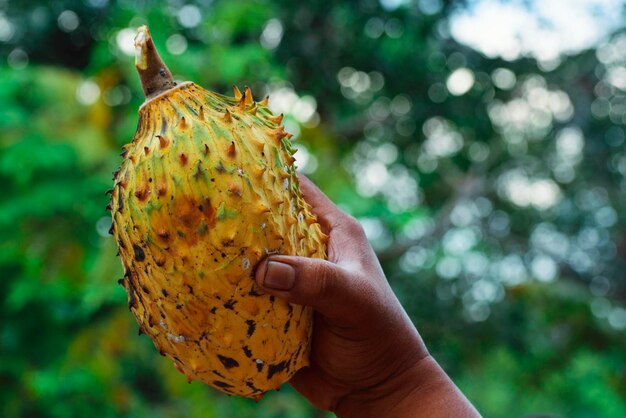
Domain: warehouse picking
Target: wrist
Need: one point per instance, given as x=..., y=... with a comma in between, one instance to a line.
x=423, y=389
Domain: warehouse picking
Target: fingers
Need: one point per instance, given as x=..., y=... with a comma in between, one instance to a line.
x=330, y=289
x=347, y=238
x=328, y=214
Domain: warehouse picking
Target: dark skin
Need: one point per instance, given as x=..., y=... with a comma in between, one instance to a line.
x=367, y=358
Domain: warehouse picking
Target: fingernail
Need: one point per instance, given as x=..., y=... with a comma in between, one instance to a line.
x=279, y=276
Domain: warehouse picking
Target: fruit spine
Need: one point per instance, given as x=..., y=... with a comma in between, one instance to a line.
x=207, y=188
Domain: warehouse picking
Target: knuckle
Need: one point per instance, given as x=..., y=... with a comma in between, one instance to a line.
x=325, y=279
x=371, y=296
x=354, y=227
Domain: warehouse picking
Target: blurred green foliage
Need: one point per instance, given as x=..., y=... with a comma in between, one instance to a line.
x=497, y=212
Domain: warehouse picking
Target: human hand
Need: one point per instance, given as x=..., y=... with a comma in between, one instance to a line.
x=367, y=358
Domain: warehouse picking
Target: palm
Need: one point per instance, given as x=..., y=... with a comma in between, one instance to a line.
x=353, y=344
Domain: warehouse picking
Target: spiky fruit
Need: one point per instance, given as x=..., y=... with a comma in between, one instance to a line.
x=206, y=190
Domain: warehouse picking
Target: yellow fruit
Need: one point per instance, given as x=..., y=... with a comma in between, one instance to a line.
x=207, y=188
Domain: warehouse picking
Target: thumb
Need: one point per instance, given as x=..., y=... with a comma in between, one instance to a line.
x=326, y=287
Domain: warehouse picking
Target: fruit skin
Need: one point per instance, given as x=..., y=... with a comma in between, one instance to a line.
x=206, y=190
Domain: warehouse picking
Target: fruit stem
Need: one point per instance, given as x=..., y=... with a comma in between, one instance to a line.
x=155, y=77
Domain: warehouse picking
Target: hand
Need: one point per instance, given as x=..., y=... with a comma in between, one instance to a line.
x=367, y=358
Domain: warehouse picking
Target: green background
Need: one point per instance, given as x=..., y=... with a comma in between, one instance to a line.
x=498, y=214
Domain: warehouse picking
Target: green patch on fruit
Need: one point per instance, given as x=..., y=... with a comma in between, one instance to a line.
x=202, y=228
x=220, y=132
x=153, y=205
x=225, y=213
x=278, y=163
x=287, y=146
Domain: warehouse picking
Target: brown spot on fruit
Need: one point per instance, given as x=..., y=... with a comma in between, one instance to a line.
x=120, y=200
x=221, y=384
x=161, y=189
x=185, y=211
x=235, y=189
x=142, y=194
x=139, y=254
x=163, y=142
x=228, y=362
x=208, y=211
x=275, y=368
x=163, y=234
x=251, y=327
x=247, y=351
x=280, y=133
x=200, y=172
x=231, y=151
x=183, y=159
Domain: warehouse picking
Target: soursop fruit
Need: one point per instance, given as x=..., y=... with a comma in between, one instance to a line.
x=207, y=189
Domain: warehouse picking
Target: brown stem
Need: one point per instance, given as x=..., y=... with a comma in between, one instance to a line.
x=155, y=77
